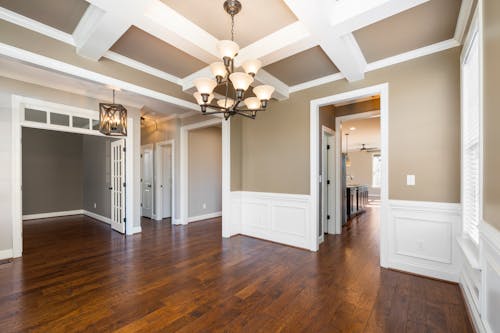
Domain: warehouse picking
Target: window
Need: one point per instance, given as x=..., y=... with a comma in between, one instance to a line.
x=376, y=170
x=471, y=136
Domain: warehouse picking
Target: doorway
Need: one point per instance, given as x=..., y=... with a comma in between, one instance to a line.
x=381, y=90
x=327, y=203
x=165, y=180
x=38, y=114
x=147, y=181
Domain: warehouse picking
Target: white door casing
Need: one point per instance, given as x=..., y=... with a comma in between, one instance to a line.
x=118, y=219
x=147, y=180
x=383, y=91
x=159, y=173
x=166, y=182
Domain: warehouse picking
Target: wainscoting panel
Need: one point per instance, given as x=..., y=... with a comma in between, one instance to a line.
x=490, y=240
x=277, y=217
x=422, y=238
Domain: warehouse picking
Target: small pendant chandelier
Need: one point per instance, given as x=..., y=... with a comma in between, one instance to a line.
x=236, y=82
x=112, y=118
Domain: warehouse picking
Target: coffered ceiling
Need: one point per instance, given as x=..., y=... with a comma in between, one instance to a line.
x=62, y=15
x=257, y=19
x=145, y=48
x=300, y=43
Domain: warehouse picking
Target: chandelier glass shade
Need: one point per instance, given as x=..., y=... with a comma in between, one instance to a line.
x=112, y=119
x=236, y=83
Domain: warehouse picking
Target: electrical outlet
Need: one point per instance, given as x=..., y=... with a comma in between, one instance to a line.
x=420, y=245
x=410, y=180
x=95, y=205
x=204, y=206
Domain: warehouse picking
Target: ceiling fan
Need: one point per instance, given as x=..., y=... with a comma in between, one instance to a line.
x=368, y=150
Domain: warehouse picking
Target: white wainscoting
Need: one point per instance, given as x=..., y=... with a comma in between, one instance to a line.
x=422, y=238
x=277, y=217
x=490, y=262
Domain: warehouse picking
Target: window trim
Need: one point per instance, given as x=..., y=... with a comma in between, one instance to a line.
x=474, y=33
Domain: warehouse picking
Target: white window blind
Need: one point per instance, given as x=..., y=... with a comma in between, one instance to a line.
x=471, y=135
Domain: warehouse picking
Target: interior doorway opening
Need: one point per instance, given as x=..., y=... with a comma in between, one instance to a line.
x=370, y=102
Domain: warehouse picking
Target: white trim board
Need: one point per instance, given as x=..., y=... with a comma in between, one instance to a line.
x=97, y=217
x=204, y=217
x=52, y=214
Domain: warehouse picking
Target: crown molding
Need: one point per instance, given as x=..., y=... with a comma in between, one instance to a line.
x=418, y=53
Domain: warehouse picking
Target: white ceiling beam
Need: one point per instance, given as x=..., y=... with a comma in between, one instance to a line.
x=97, y=31
x=166, y=24
x=343, y=51
x=281, y=44
x=349, y=16
x=463, y=19
x=54, y=64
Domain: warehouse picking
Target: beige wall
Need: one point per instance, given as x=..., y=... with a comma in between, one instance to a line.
x=236, y=153
x=424, y=135
x=205, y=171
x=361, y=171
x=491, y=112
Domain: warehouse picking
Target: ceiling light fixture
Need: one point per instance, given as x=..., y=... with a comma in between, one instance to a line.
x=235, y=82
x=112, y=118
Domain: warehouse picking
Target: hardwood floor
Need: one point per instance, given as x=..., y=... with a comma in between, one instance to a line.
x=77, y=275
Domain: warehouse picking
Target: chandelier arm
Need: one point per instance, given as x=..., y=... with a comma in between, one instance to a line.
x=244, y=114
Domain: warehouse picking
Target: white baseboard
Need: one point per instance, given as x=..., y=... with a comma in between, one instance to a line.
x=6, y=254
x=204, y=217
x=136, y=230
x=278, y=217
x=52, y=214
x=176, y=221
x=98, y=217
x=422, y=238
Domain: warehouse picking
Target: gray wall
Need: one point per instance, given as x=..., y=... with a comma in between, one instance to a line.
x=205, y=171
x=52, y=171
x=97, y=175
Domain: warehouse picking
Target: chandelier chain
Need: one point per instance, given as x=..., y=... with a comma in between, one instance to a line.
x=232, y=28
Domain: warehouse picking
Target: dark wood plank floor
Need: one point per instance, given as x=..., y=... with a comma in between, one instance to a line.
x=77, y=275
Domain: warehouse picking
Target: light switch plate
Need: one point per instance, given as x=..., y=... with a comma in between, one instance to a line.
x=410, y=180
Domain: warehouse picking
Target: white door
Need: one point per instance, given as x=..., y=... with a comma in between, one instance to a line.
x=166, y=186
x=330, y=193
x=118, y=186
x=147, y=181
